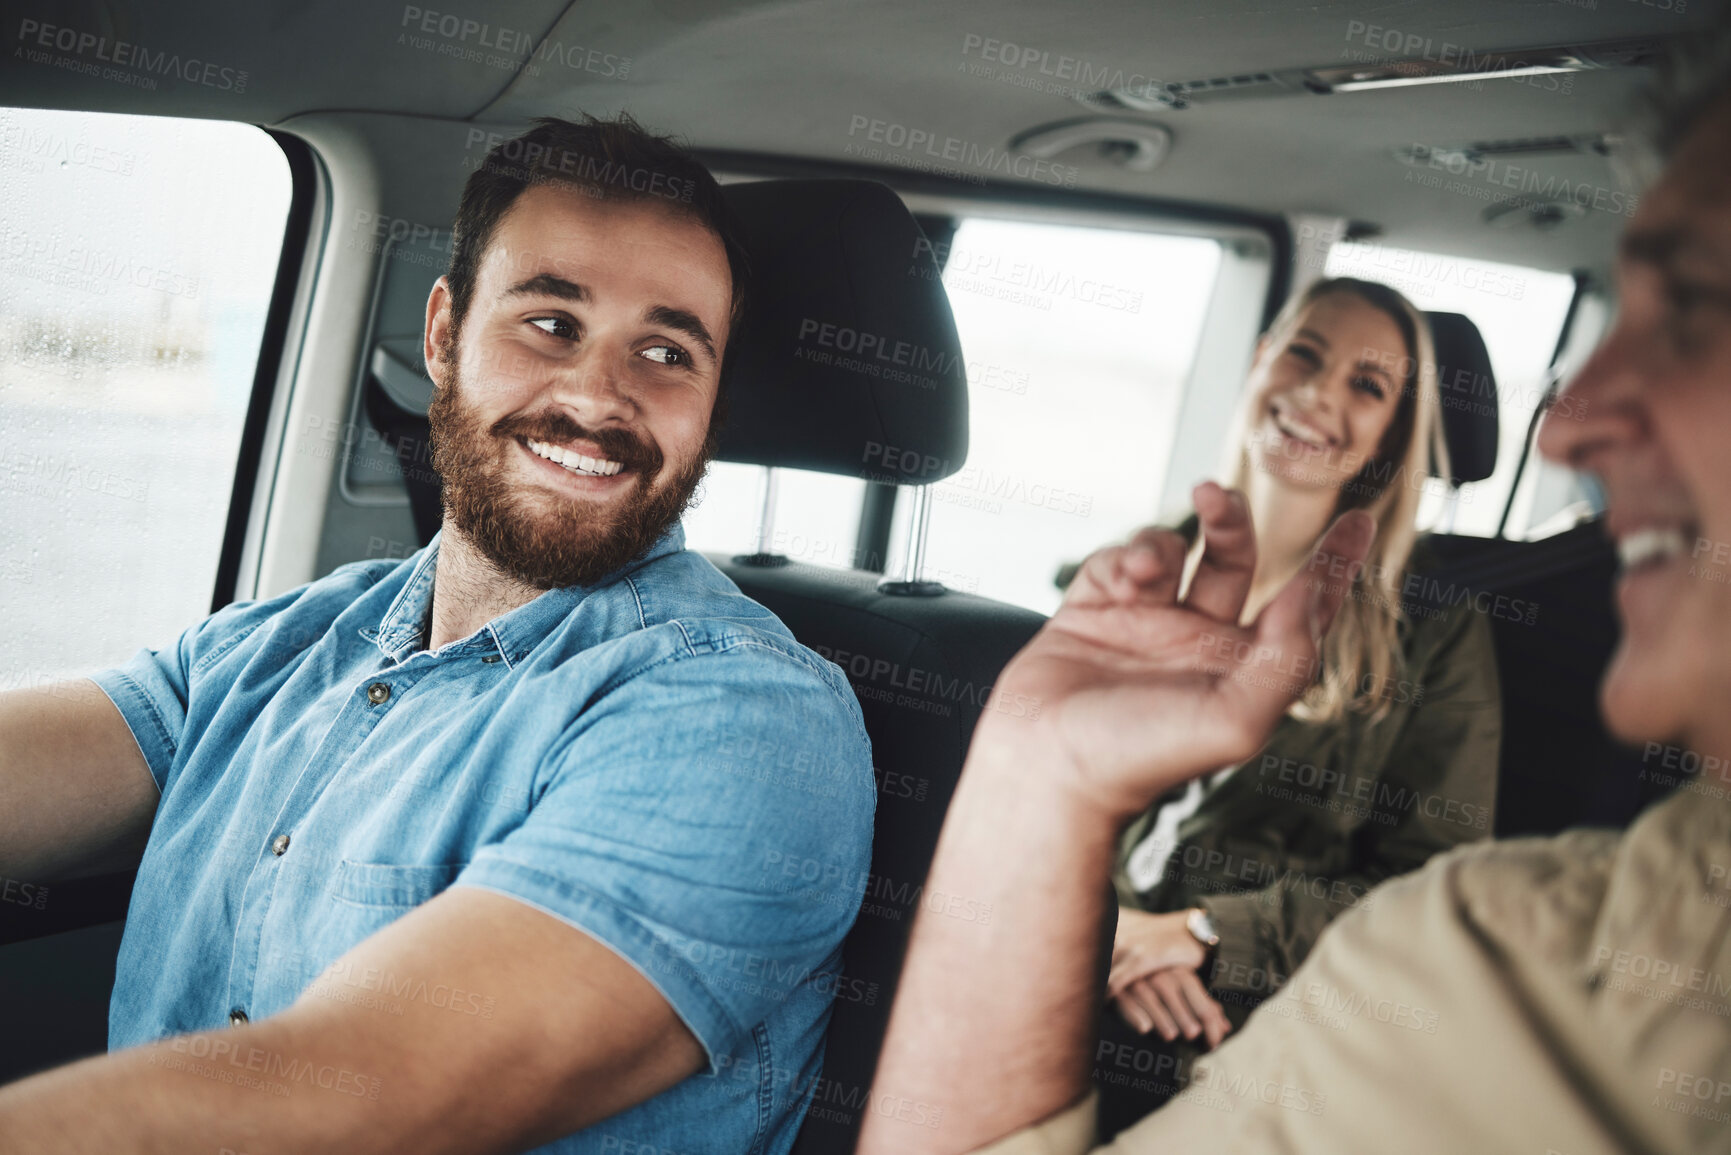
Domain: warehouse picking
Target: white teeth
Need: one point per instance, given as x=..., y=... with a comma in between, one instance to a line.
x=575, y=462
x=1649, y=545
x=1298, y=435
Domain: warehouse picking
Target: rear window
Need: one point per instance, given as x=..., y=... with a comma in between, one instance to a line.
x=1078, y=343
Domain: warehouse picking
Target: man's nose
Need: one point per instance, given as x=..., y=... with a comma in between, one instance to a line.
x=1598, y=408
x=595, y=389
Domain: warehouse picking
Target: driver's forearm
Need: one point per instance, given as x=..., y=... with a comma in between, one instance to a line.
x=261, y=1087
x=992, y=1027
x=76, y=796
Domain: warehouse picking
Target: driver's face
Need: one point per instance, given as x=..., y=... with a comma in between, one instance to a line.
x=1654, y=409
x=572, y=419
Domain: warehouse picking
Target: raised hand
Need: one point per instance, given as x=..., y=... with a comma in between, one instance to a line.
x=1141, y=691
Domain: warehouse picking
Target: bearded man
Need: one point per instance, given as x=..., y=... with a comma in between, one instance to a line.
x=484, y=849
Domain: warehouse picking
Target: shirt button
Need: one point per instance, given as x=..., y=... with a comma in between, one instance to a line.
x=378, y=692
x=237, y=1018
x=279, y=845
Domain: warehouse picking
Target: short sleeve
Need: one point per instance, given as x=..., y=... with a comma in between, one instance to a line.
x=709, y=820
x=151, y=690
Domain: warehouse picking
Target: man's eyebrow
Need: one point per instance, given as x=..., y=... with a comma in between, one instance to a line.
x=550, y=285
x=1650, y=246
x=682, y=321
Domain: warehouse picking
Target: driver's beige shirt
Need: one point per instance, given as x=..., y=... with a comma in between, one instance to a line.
x=1556, y=996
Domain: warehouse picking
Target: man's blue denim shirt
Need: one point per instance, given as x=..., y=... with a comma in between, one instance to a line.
x=653, y=760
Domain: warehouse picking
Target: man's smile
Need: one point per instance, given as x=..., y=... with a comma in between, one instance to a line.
x=594, y=465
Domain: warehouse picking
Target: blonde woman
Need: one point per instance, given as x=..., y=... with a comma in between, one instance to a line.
x=1389, y=759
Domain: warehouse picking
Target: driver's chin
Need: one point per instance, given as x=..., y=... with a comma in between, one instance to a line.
x=1647, y=696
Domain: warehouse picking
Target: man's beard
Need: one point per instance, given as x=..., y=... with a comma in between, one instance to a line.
x=574, y=542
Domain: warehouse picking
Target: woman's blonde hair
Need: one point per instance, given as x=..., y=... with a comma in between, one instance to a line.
x=1362, y=656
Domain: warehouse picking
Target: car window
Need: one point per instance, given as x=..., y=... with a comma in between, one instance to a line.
x=1078, y=343
x=137, y=258
x=1519, y=312
x=816, y=515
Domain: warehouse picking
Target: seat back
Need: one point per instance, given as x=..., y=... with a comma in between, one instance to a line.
x=1554, y=624
x=1552, y=620
x=849, y=363
x=1467, y=392
x=923, y=669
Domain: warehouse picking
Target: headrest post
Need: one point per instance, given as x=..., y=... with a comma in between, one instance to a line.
x=909, y=583
x=766, y=511
x=763, y=555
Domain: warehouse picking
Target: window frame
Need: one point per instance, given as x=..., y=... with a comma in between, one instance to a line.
x=284, y=317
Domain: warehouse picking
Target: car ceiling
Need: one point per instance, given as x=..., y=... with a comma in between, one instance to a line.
x=797, y=78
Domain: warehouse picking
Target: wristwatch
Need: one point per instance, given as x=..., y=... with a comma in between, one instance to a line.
x=1201, y=927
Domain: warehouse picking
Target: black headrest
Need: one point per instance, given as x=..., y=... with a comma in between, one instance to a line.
x=1468, y=390
x=848, y=359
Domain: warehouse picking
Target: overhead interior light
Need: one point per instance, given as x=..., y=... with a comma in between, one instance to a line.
x=1452, y=67
x=1407, y=73
x=1449, y=65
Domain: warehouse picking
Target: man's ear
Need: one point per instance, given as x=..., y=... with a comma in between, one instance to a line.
x=434, y=338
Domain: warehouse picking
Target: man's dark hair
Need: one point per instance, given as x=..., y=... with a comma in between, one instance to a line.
x=611, y=160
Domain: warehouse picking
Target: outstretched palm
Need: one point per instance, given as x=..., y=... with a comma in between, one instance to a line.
x=1140, y=691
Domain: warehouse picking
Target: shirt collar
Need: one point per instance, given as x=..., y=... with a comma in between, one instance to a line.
x=512, y=634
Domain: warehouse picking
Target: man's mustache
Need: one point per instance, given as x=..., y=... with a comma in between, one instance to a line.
x=615, y=443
